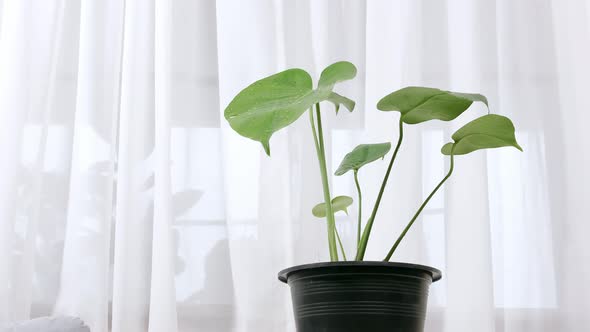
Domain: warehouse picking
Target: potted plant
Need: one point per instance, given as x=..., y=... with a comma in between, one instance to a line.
x=359, y=295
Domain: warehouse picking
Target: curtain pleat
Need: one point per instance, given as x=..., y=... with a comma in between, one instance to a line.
x=85, y=284
x=15, y=69
x=135, y=165
x=162, y=313
x=23, y=303
x=570, y=33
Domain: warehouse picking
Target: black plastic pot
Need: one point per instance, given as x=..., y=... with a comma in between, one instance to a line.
x=359, y=296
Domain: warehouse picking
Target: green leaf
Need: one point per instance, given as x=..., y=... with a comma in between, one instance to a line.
x=362, y=155
x=419, y=104
x=338, y=100
x=339, y=203
x=334, y=73
x=270, y=104
x=276, y=101
x=486, y=132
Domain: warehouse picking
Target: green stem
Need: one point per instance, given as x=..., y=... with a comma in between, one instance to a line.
x=367, y=231
x=400, y=238
x=340, y=243
x=358, y=189
x=319, y=146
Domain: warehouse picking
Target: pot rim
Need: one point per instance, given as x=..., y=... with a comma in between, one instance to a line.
x=435, y=273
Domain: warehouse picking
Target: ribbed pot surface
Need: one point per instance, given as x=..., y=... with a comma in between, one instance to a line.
x=359, y=296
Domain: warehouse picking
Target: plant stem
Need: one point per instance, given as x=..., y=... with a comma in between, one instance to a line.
x=340, y=243
x=358, y=189
x=367, y=231
x=319, y=146
x=400, y=238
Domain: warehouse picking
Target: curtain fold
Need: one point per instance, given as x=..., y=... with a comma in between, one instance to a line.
x=87, y=249
x=162, y=314
x=127, y=200
x=133, y=243
x=15, y=71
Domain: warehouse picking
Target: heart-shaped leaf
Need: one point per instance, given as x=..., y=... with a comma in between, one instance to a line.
x=275, y=102
x=338, y=100
x=339, y=203
x=362, y=155
x=486, y=132
x=270, y=104
x=334, y=73
x=419, y=104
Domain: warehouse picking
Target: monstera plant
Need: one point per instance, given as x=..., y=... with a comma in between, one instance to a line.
x=275, y=102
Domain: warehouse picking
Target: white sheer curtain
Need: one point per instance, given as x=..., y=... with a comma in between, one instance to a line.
x=126, y=200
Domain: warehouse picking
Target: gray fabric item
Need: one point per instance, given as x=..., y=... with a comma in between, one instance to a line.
x=46, y=324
